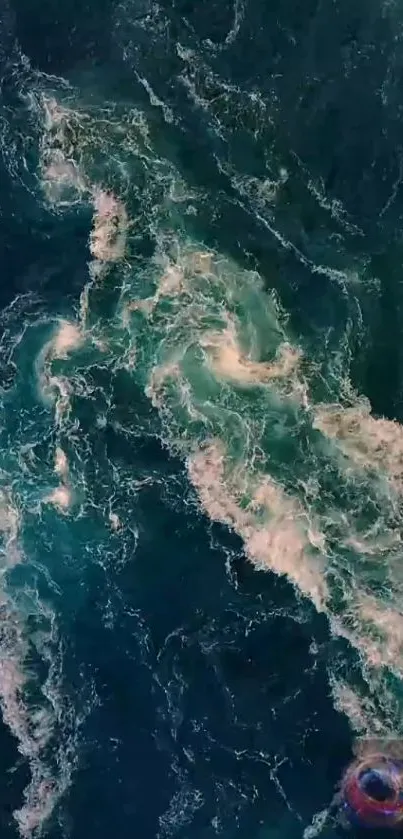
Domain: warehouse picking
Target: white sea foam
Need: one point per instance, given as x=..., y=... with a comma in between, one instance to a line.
x=61, y=463
x=67, y=338
x=108, y=236
x=115, y=521
x=227, y=359
x=62, y=181
x=272, y=524
x=57, y=389
x=9, y=526
x=60, y=497
x=359, y=710
x=33, y=727
x=370, y=443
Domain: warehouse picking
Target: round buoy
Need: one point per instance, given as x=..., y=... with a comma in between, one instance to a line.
x=372, y=792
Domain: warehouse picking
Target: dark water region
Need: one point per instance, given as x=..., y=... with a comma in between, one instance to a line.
x=213, y=711
x=220, y=692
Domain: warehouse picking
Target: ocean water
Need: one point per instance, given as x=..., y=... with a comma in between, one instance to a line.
x=201, y=449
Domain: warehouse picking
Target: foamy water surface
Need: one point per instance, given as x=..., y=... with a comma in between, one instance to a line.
x=182, y=335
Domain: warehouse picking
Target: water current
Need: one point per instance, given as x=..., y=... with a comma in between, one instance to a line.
x=201, y=449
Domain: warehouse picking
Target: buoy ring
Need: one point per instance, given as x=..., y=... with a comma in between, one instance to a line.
x=372, y=810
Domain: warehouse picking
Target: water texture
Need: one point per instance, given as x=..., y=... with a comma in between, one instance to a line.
x=201, y=449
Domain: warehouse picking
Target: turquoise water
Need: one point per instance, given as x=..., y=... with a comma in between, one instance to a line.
x=201, y=450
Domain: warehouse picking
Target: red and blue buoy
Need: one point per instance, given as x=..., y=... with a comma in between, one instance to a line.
x=372, y=792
